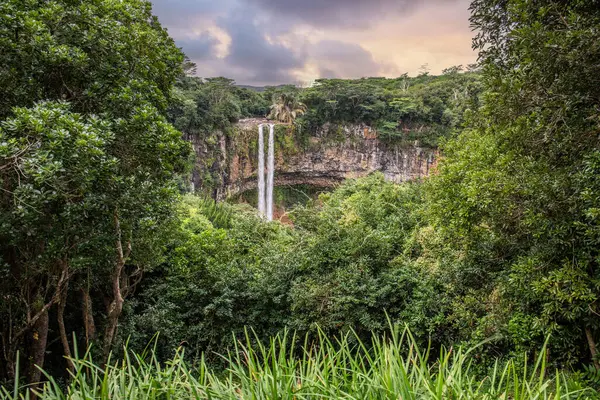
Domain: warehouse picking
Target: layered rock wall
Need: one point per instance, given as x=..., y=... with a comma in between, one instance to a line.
x=324, y=158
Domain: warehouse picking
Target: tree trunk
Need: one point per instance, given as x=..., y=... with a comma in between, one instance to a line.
x=60, y=317
x=592, y=346
x=37, y=325
x=39, y=339
x=114, y=312
x=116, y=306
x=88, y=318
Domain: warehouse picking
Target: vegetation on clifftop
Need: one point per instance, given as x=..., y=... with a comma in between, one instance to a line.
x=422, y=108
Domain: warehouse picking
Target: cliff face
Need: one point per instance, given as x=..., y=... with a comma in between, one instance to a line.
x=324, y=158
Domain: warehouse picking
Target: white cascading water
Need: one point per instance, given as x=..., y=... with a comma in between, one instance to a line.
x=270, y=172
x=261, y=172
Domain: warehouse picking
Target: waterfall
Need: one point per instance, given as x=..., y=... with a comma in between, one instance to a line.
x=270, y=172
x=266, y=210
x=261, y=171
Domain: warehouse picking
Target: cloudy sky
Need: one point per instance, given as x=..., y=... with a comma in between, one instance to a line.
x=265, y=42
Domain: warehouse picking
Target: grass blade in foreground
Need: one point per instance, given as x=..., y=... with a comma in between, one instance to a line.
x=392, y=368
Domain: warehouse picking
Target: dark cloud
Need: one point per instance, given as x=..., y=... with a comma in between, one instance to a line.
x=252, y=56
x=327, y=73
x=269, y=60
x=199, y=48
x=344, y=60
x=358, y=14
x=180, y=13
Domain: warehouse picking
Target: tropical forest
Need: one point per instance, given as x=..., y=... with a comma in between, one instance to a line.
x=187, y=219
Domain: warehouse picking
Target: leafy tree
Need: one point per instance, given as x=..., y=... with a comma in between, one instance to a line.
x=88, y=162
x=200, y=107
x=51, y=161
x=286, y=108
x=350, y=270
x=513, y=198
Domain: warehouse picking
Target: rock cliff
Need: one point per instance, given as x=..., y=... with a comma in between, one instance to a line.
x=227, y=165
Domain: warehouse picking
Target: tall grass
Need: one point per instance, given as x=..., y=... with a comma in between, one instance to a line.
x=390, y=368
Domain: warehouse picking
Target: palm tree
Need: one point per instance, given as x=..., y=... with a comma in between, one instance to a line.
x=286, y=108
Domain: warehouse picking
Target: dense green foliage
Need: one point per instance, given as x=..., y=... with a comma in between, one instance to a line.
x=220, y=274
x=424, y=108
x=337, y=269
x=515, y=203
x=202, y=106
